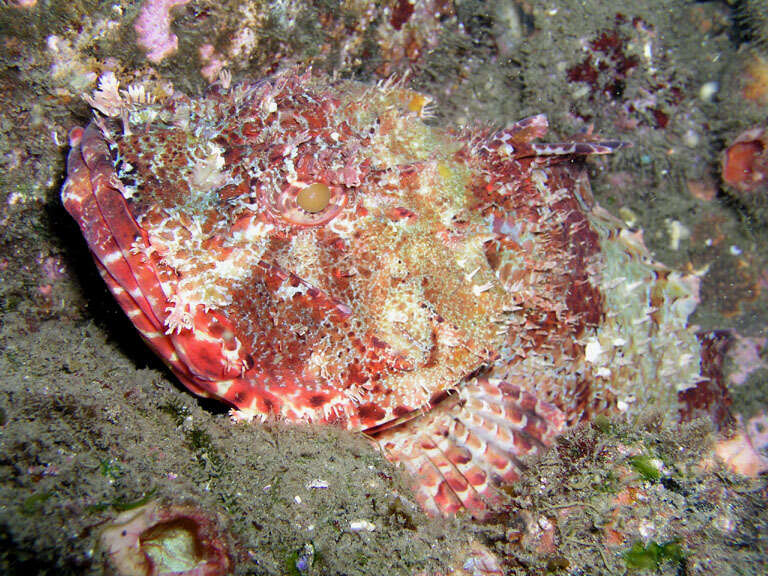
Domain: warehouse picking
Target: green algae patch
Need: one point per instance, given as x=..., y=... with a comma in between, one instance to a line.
x=34, y=503
x=652, y=555
x=646, y=467
x=122, y=504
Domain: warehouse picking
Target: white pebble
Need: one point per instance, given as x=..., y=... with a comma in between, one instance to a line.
x=708, y=90
x=361, y=525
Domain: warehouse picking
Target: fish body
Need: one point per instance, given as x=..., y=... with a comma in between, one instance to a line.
x=318, y=252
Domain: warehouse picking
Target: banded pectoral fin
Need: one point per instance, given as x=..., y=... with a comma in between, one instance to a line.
x=470, y=444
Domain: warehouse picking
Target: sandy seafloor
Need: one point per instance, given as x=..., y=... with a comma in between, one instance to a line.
x=92, y=425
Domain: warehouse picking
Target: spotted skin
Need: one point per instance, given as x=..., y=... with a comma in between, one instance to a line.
x=447, y=296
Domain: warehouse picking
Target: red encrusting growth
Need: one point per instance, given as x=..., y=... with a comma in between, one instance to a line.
x=745, y=162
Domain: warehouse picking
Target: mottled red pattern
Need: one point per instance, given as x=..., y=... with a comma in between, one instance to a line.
x=449, y=299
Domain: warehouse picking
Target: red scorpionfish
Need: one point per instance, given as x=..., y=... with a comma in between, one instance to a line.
x=314, y=251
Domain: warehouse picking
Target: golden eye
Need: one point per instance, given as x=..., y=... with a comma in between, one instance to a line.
x=314, y=198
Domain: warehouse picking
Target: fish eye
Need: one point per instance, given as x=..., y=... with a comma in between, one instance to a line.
x=314, y=198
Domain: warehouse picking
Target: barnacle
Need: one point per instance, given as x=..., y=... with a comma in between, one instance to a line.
x=314, y=198
x=155, y=539
x=745, y=171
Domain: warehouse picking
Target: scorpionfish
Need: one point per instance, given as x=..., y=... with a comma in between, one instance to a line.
x=321, y=251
